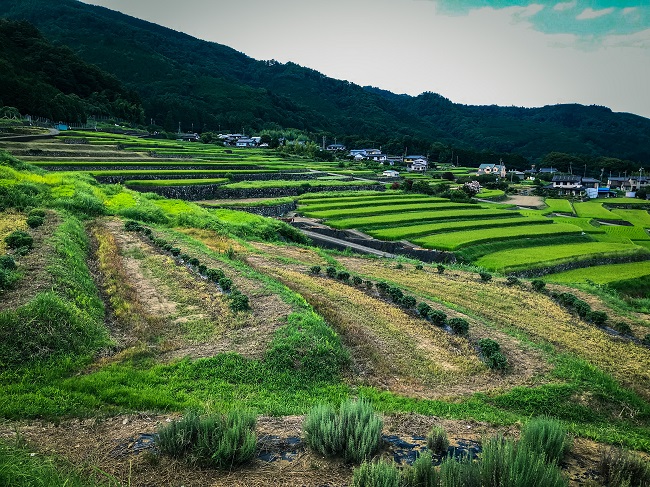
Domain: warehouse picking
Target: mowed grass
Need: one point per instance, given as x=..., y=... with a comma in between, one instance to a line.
x=640, y=218
x=594, y=209
x=559, y=205
x=397, y=219
x=602, y=274
x=174, y=182
x=387, y=209
x=364, y=202
x=398, y=233
x=542, y=256
x=455, y=240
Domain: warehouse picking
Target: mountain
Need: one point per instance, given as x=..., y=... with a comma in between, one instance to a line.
x=214, y=87
x=41, y=79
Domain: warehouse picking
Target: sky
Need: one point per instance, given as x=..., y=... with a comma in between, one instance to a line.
x=479, y=52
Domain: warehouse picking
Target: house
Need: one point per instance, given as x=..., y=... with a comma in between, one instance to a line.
x=547, y=170
x=189, y=137
x=335, y=147
x=416, y=163
x=245, y=142
x=390, y=173
x=493, y=169
x=570, y=185
x=376, y=157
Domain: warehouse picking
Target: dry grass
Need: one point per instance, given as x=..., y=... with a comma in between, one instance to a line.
x=10, y=221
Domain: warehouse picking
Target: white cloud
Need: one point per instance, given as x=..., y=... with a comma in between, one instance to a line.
x=565, y=5
x=639, y=40
x=629, y=10
x=590, y=13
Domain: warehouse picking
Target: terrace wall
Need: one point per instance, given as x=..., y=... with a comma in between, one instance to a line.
x=274, y=176
x=273, y=211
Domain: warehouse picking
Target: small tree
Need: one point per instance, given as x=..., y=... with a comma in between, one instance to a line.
x=485, y=276
x=459, y=326
x=538, y=285
x=315, y=269
x=441, y=268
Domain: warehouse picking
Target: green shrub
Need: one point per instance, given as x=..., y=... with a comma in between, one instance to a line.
x=485, y=276
x=215, y=274
x=620, y=468
x=369, y=284
x=220, y=441
x=356, y=280
x=491, y=351
x=185, y=257
x=623, y=328
x=35, y=221
x=378, y=474
x=462, y=472
x=408, y=301
x=582, y=308
x=315, y=269
x=419, y=267
x=488, y=346
x=547, y=437
x=132, y=226
x=423, y=310
x=353, y=432
x=512, y=280
x=175, y=251
x=399, y=266
x=646, y=339
x=421, y=474
x=395, y=294
x=8, y=278
x=383, y=287
x=598, y=318
x=459, y=326
x=238, y=301
x=18, y=239
x=438, y=318
x=330, y=271
x=7, y=262
x=194, y=261
x=225, y=283
x=497, y=361
x=538, y=285
x=38, y=212
x=343, y=276
x=440, y=268
x=437, y=441
x=202, y=268
x=147, y=231
x=567, y=299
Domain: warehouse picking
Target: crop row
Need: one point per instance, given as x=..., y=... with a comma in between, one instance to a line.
x=174, y=182
x=601, y=274
x=398, y=233
x=355, y=197
x=389, y=209
x=365, y=202
x=559, y=205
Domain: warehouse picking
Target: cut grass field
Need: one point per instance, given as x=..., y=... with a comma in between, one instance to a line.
x=602, y=274
x=455, y=240
x=543, y=256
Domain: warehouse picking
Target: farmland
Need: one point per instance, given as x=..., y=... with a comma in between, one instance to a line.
x=143, y=331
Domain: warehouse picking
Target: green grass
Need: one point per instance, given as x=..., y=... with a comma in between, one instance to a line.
x=365, y=201
x=294, y=184
x=419, y=216
x=174, y=182
x=396, y=207
x=455, y=240
x=594, y=209
x=398, y=233
x=542, y=256
x=559, y=205
x=602, y=274
x=624, y=232
x=639, y=218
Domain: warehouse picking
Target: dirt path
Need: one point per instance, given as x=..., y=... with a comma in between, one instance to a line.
x=521, y=200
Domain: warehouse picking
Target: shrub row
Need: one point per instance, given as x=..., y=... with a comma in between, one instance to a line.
x=237, y=300
x=8, y=276
x=220, y=441
x=581, y=308
x=492, y=355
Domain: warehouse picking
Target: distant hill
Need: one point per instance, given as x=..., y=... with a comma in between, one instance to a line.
x=41, y=79
x=187, y=80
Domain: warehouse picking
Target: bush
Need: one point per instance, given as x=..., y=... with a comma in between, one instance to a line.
x=383, y=287
x=175, y=251
x=35, y=221
x=421, y=474
x=38, y=212
x=419, y=267
x=459, y=326
x=132, y=226
x=225, y=283
x=167, y=247
x=620, y=468
x=215, y=274
x=485, y=276
x=220, y=441
x=512, y=280
x=598, y=318
x=343, y=276
x=423, y=310
x=441, y=268
x=7, y=262
x=7, y=278
x=437, y=441
x=353, y=432
x=497, y=361
x=491, y=351
x=202, y=269
x=315, y=269
x=239, y=301
x=582, y=308
x=399, y=266
x=379, y=474
x=330, y=271
x=408, y=302
x=18, y=239
x=623, y=328
x=369, y=284
x=488, y=346
x=567, y=299
x=438, y=318
x=356, y=280
x=538, y=285
x=646, y=340
x=194, y=261
x=185, y=257
x=547, y=437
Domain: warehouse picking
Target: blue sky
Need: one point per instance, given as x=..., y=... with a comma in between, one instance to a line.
x=502, y=52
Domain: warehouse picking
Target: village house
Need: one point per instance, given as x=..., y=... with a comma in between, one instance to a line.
x=390, y=173
x=416, y=163
x=493, y=169
x=245, y=142
x=570, y=185
x=335, y=147
x=189, y=137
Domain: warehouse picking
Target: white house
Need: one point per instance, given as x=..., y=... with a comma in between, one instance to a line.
x=390, y=173
x=244, y=142
x=416, y=163
x=494, y=169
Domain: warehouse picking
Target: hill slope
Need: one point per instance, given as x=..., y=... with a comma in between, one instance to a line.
x=183, y=79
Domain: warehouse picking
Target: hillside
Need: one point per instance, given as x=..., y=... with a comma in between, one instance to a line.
x=182, y=79
x=40, y=79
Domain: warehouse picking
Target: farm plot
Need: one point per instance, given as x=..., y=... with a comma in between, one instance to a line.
x=398, y=233
x=557, y=205
x=379, y=221
x=294, y=184
x=545, y=256
x=366, y=202
x=455, y=240
x=640, y=218
x=174, y=182
x=602, y=274
x=625, y=232
x=387, y=209
x=336, y=198
x=594, y=209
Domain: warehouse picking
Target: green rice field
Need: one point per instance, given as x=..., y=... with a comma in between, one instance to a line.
x=559, y=205
x=389, y=209
x=602, y=274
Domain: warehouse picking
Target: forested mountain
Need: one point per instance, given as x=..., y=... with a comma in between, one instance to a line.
x=51, y=81
x=187, y=80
